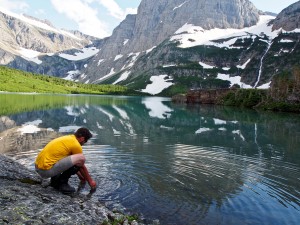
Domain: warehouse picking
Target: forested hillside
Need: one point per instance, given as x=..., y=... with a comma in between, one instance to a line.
x=13, y=80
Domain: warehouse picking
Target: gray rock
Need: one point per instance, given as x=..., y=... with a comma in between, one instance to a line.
x=289, y=18
x=157, y=20
x=11, y=170
x=23, y=200
x=15, y=33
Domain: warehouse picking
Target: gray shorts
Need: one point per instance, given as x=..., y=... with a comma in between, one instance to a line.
x=59, y=167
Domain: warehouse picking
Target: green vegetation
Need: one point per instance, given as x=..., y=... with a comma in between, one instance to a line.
x=174, y=90
x=138, y=82
x=120, y=220
x=12, y=80
x=185, y=83
x=244, y=97
x=284, y=94
x=212, y=52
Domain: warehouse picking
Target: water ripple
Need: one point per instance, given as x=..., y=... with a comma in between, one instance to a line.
x=188, y=181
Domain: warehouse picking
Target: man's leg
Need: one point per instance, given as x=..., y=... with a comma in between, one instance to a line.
x=54, y=182
x=63, y=180
x=78, y=160
x=63, y=166
x=60, y=181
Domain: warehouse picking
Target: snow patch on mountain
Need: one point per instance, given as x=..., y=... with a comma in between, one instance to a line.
x=83, y=54
x=124, y=76
x=159, y=83
x=71, y=74
x=169, y=65
x=37, y=23
x=100, y=61
x=125, y=41
x=134, y=57
x=189, y=35
x=202, y=130
x=233, y=80
x=265, y=86
x=206, y=66
x=118, y=57
x=150, y=49
x=244, y=65
x=30, y=55
x=112, y=71
x=177, y=7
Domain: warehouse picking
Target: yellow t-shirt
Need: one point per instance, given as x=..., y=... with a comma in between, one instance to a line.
x=56, y=150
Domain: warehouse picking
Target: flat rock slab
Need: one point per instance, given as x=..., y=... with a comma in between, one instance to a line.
x=24, y=199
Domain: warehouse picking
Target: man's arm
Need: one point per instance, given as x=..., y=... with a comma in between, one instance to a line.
x=84, y=175
x=81, y=178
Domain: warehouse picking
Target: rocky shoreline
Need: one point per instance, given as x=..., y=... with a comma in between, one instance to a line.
x=27, y=199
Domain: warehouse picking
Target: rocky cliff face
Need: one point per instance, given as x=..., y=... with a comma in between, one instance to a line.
x=16, y=33
x=24, y=35
x=156, y=21
x=288, y=19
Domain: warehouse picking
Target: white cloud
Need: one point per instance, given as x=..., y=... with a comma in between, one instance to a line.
x=131, y=11
x=14, y=5
x=115, y=10
x=93, y=17
x=84, y=15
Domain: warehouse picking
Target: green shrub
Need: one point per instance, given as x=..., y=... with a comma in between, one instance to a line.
x=244, y=97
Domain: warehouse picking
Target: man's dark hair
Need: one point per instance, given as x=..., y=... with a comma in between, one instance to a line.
x=83, y=132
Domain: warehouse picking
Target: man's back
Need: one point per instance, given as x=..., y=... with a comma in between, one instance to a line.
x=57, y=149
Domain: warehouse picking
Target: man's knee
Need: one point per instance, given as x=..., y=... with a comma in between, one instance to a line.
x=78, y=159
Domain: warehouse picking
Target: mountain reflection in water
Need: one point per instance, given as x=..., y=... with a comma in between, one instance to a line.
x=176, y=163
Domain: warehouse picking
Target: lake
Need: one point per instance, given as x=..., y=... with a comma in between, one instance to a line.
x=181, y=164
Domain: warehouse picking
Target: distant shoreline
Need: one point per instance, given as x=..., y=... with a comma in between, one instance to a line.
x=243, y=98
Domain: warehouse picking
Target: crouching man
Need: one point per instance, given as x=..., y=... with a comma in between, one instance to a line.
x=61, y=158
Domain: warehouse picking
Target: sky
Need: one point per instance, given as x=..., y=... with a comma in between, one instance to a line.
x=97, y=17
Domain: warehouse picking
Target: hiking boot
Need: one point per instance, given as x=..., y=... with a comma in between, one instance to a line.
x=63, y=179
x=65, y=188
x=55, y=181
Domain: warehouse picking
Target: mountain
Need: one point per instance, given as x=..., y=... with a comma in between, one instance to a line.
x=29, y=44
x=169, y=46
x=288, y=19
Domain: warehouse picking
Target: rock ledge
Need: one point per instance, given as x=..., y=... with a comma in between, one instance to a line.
x=24, y=199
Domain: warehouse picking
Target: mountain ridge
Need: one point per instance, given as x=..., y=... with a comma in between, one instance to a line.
x=143, y=45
